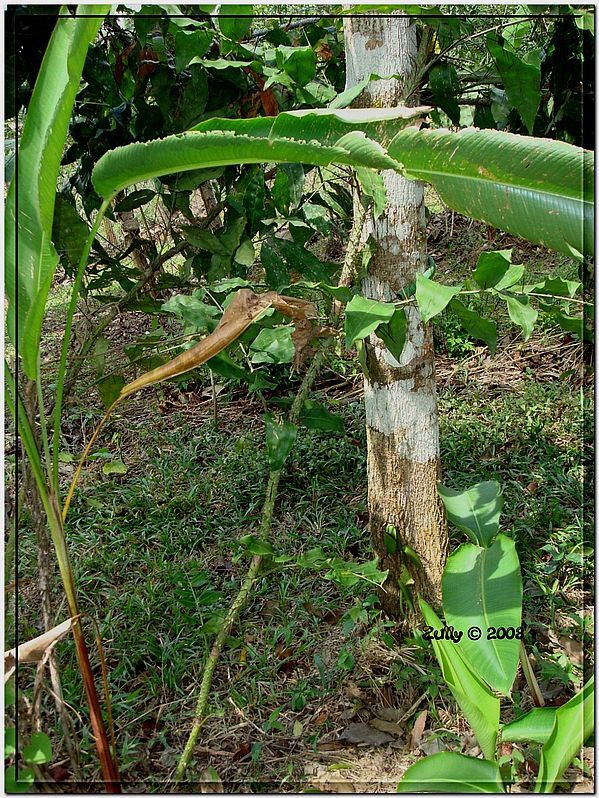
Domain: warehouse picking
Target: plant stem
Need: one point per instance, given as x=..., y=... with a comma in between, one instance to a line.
x=529, y=675
x=60, y=379
x=53, y=514
x=246, y=586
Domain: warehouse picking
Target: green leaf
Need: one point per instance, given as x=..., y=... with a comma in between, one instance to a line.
x=298, y=62
x=444, y=84
x=373, y=185
x=475, y=511
x=522, y=81
x=557, y=287
x=69, y=231
x=10, y=741
x=115, y=467
x=451, y=772
x=301, y=260
x=135, y=200
x=476, y=701
x=571, y=324
x=538, y=189
x=18, y=781
x=194, y=98
x=574, y=723
x=279, y=441
x=522, y=313
x=347, y=97
x=39, y=749
x=317, y=217
x=393, y=333
x=273, y=345
x=536, y=726
x=195, y=314
x=189, y=45
x=315, y=416
x=363, y=316
x=275, y=270
x=482, y=587
x=40, y=150
x=491, y=266
x=433, y=297
x=475, y=325
x=110, y=387
x=288, y=187
x=237, y=23
x=256, y=546
x=512, y=276
x=317, y=137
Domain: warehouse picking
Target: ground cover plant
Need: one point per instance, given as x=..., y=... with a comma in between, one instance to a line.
x=259, y=273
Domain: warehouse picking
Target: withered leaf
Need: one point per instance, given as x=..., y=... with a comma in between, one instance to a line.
x=363, y=733
x=33, y=650
x=387, y=726
x=418, y=729
x=244, y=309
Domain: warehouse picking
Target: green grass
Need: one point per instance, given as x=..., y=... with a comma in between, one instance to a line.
x=157, y=558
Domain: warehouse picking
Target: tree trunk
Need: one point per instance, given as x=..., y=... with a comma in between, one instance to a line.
x=400, y=397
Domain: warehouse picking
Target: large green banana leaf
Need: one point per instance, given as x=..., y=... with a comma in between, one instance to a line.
x=536, y=188
x=314, y=138
x=476, y=701
x=40, y=150
x=573, y=724
x=539, y=189
x=482, y=588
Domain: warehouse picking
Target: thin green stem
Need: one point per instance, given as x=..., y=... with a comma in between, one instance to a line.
x=247, y=584
x=62, y=368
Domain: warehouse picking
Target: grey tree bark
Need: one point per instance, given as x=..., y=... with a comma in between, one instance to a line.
x=400, y=397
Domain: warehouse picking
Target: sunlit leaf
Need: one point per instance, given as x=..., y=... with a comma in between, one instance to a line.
x=482, y=588
x=452, y=773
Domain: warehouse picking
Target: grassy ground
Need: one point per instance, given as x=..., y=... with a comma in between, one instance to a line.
x=158, y=560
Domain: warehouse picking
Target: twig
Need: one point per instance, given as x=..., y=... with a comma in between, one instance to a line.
x=244, y=592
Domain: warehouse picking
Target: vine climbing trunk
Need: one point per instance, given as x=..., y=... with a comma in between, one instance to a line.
x=400, y=396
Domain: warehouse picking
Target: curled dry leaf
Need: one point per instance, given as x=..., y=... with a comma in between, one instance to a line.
x=33, y=650
x=245, y=309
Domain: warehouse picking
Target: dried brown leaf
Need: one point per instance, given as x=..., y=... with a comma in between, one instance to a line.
x=33, y=650
x=364, y=733
x=418, y=729
x=244, y=309
x=387, y=726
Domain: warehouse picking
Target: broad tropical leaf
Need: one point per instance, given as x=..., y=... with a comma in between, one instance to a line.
x=40, y=150
x=482, y=588
x=475, y=511
x=476, y=701
x=352, y=137
x=536, y=726
x=539, y=189
x=451, y=772
x=574, y=722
